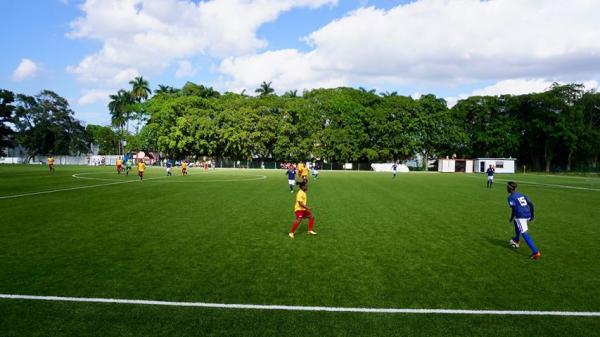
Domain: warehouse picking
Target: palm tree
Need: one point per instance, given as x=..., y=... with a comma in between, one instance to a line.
x=291, y=93
x=389, y=94
x=140, y=88
x=120, y=110
x=165, y=89
x=265, y=89
x=361, y=89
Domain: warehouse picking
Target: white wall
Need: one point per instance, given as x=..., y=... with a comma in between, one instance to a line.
x=469, y=166
x=508, y=165
x=387, y=167
x=446, y=165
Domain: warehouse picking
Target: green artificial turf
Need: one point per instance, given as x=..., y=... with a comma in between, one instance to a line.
x=422, y=240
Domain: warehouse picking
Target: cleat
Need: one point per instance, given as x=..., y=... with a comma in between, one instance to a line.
x=312, y=232
x=291, y=235
x=536, y=256
x=514, y=244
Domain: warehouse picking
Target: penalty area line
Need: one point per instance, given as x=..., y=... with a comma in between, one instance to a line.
x=304, y=308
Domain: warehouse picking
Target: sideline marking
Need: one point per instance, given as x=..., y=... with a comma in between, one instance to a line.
x=304, y=308
x=79, y=176
x=192, y=180
x=73, y=188
x=547, y=185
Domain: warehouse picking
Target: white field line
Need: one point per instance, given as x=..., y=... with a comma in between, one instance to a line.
x=71, y=188
x=304, y=308
x=546, y=185
x=252, y=177
x=79, y=176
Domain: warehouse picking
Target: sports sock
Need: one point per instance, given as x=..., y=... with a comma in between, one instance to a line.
x=311, y=222
x=529, y=241
x=295, y=225
x=517, y=233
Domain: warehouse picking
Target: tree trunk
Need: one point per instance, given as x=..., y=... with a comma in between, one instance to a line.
x=425, y=161
x=536, y=163
x=547, y=157
x=569, y=157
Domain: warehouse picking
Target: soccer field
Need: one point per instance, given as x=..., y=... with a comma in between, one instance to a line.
x=420, y=241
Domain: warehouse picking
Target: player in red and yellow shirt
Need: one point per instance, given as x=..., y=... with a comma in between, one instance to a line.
x=141, y=168
x=183, y=168
x=50, y=163
x=119, y=165
x=302, y=211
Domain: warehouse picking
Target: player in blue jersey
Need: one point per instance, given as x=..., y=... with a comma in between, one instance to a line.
x=394, y=170
x=490, y=176
x=291, y=173
x=315, y=171
x=168, y=165
x=521, y=213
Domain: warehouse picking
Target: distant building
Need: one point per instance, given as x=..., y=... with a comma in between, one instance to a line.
x=502, y=165
x=447, y=165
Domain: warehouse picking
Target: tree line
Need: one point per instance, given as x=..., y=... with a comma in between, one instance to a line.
x=559, y=128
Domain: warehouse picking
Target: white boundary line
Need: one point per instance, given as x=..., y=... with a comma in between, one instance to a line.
x=73, y=188
x=78, y=176
x=533, y=183
x=116, y=182
x=304, y=308
x=202, y=181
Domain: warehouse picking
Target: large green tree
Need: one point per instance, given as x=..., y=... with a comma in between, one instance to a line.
x=7, y=111
x=491, y=128
x=46, y=125
x=357, y=125
x=104, y=137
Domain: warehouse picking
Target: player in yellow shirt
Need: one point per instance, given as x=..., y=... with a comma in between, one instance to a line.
x=141, y=168
x=302, y=211
x=304, y=173
x=184, y=168
x=50, y=164
x=119, y=165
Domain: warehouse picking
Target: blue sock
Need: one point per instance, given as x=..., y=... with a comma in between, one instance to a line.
x=530, y=243
x=517, y=233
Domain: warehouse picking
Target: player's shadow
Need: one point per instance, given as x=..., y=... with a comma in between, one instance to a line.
x=497, y=242
x=501, y=243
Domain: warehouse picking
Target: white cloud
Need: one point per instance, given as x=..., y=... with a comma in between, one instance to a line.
x=25, y=70
x=441, y=42
x=185, y=69
x=515, y=87
x=288, y=69
x=146, y=36
x=95, y=96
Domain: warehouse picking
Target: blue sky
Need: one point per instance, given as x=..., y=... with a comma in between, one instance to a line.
x=85, y=50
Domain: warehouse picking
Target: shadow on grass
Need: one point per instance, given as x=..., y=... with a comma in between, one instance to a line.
x=503, y=244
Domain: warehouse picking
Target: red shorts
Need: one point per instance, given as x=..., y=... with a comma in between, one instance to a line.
x=303, y=214
x=141, y=173
x=183, y=170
